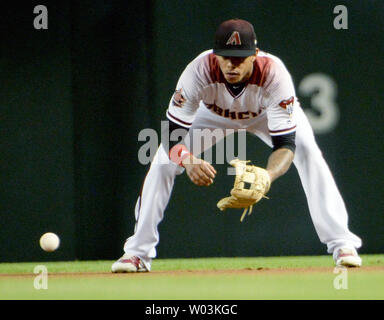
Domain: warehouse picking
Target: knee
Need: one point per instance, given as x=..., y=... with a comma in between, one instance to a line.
x=169, y=169
x=162, y=165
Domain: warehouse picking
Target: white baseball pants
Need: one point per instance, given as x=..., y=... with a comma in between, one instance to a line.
x=326, y=206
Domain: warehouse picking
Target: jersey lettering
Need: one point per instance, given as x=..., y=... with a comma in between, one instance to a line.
x=269, y=90
x=233, y=114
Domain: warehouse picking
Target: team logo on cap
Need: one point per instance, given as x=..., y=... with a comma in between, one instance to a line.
x=234, y=39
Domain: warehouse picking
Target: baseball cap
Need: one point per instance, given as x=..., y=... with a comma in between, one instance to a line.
x=235, y=38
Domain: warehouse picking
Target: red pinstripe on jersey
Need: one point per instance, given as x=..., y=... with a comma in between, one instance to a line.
x=283, y=131
x=181, y=122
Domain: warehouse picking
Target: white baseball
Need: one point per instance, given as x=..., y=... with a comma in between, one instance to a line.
x=49, y=242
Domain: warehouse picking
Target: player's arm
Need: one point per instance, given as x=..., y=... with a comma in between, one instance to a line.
x=281, y=103
x=181, y=113
x=282, y=156
x=199, y=171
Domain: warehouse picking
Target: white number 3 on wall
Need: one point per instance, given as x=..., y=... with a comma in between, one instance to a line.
x=322, y=91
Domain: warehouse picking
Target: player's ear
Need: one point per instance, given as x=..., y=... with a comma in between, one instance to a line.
x=255, y=55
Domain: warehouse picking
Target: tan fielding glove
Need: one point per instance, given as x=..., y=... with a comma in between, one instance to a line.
x=242, y=197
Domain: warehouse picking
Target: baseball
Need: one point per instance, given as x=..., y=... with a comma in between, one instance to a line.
x=49, y=242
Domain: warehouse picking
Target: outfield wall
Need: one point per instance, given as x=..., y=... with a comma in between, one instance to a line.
x=74, y=98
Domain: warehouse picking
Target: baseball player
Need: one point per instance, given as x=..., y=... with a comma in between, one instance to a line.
x=237, y=86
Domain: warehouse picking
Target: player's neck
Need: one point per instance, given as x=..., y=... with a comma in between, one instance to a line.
x=236, y=88
x=241, y=84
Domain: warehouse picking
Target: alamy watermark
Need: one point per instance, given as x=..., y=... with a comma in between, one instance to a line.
x=198, y=141
x=41, y=20
x=341, y=20
x=41, y=280
x=340, y=282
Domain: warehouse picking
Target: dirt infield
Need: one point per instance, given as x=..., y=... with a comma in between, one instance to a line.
x=246, y=271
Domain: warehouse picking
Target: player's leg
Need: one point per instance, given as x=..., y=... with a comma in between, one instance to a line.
x=154, y=197
x=326, y=205
x=325, y=202
x=149, y=210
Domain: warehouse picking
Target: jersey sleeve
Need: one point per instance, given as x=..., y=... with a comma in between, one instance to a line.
x=185, y=100
x=280, y=100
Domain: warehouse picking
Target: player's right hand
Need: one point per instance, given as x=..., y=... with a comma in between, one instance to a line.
x=199, y=171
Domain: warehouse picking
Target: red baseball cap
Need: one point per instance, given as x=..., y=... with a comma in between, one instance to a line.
x=235, y=38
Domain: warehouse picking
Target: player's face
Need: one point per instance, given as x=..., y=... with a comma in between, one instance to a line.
x=236, y=69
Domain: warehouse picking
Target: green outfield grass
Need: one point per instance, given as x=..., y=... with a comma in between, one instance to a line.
x=309, y=277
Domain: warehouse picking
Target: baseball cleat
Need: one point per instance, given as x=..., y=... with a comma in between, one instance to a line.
x=347, y=257
x=129, y=263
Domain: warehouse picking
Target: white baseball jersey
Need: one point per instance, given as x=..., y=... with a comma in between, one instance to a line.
x=270, y=89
